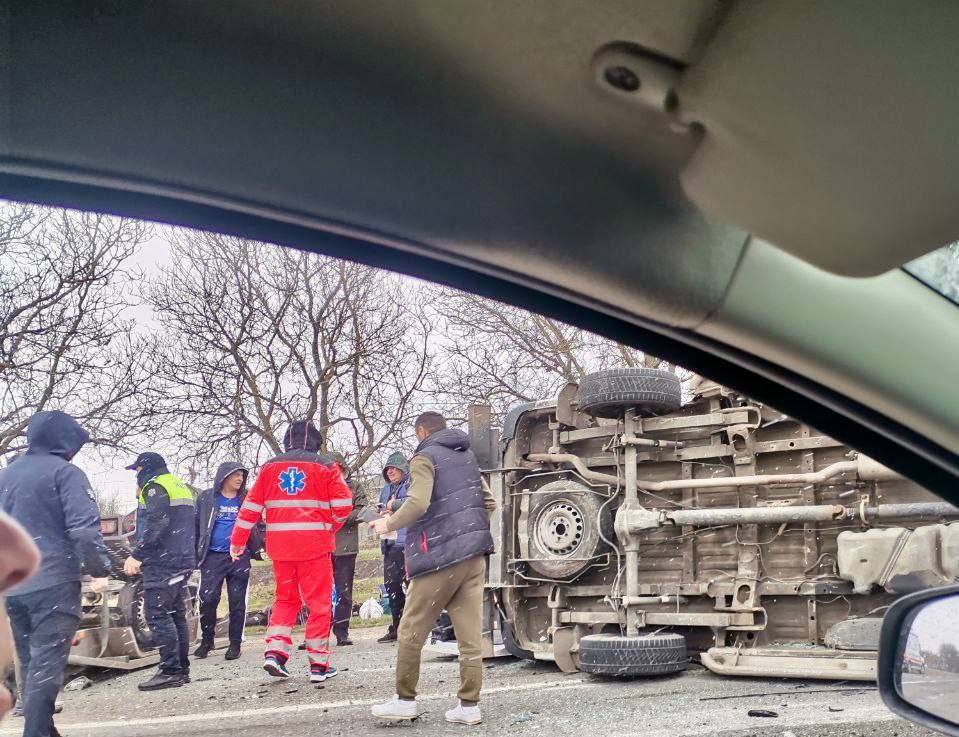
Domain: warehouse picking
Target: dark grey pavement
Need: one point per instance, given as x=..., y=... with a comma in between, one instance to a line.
x=519, y=698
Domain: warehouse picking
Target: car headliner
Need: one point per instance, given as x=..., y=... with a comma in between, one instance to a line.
x=486, y=135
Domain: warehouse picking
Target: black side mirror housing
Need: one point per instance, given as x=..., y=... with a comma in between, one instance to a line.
x=919, y=658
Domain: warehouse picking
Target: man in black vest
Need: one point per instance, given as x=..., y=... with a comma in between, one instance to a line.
x=446, y=516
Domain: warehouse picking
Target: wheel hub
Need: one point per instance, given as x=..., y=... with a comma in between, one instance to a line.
x=560, y=528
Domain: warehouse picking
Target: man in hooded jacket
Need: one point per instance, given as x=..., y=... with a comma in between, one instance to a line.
x=216, y=512
x=51, y=498
x=396, y=474
x=166, y=557
x=306, y=502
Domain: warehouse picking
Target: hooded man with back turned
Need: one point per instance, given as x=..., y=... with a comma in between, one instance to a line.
x=306, y=502
x=51, y=498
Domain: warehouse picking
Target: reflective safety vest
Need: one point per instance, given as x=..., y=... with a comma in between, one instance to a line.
x=179, y=493
x=171, y=547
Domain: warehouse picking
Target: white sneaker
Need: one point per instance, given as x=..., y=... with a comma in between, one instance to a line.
x=464, y=714
x=396, y=710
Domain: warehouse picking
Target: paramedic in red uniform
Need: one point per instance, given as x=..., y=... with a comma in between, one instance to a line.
x=305, y=501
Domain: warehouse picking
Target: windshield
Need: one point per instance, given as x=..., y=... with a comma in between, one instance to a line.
x=384, y=474
x=939, y=270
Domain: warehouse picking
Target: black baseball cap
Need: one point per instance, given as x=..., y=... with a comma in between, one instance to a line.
x=147, y=460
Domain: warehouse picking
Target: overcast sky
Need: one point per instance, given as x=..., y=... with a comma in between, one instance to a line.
x=936, y=624
x=105, y=468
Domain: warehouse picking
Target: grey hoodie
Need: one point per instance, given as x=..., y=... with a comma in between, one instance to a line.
x=53, y=500
x=205, y=511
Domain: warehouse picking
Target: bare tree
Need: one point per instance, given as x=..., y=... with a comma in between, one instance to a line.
x=63, y=341
x=256, y=335
x=501, y=355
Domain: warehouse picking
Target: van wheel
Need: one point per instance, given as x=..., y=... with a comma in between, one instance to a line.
x=610, y=393
x=627, y=657
x=566, y=525
x=509, y=642
x=133, y=613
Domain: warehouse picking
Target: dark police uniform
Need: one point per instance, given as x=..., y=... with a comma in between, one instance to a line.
x=167, y=551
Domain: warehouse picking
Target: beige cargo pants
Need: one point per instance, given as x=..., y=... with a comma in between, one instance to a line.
x=459, y=590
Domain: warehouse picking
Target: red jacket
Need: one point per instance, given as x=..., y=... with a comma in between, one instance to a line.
x=306, y=501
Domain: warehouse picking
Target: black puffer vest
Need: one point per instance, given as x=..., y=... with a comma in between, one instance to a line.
x=455, y=526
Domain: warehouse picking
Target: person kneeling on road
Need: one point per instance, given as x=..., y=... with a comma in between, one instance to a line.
x=166, y=556
x=446, y=516
x=306, y=502
x=216, y=512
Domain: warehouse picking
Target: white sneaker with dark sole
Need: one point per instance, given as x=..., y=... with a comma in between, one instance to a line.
x=396, y=710
x=464, y=715
x=275, y=668
x=318, y=676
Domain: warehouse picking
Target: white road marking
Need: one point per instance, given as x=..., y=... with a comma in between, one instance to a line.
x=563, y=685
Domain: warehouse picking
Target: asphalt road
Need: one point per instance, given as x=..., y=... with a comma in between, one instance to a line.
x=520, y=697
x=936, y=691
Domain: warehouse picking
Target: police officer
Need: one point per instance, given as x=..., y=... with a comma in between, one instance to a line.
x=51, y=498
x=166, y=556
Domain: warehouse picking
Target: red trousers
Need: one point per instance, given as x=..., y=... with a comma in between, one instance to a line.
x=301, y=582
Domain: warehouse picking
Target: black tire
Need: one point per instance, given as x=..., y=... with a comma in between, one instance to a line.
x=627, y=657
x=443, y=629
x=133, y=611
x=609, y=393
x=562, y=529
x=509, y=642
x=512, y=418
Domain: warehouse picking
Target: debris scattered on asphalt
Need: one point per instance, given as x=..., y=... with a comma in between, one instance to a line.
x=787, y=733
x=78, y=684
x=836, y=708
x=762, y=713
x=291, y=690
x=786, y=693
x=522, y=718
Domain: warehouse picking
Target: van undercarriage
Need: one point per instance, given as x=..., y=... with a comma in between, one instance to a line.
x=633, y=530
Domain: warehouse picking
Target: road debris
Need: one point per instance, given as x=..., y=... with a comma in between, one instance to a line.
x=757, y=694
x=762, y=713
x=78, y=684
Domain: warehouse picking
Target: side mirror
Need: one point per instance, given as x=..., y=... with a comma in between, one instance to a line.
x=919, y=658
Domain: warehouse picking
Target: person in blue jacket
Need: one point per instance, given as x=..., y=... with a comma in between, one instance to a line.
x=216, y=512
x=52, y=499
x=392, y=495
